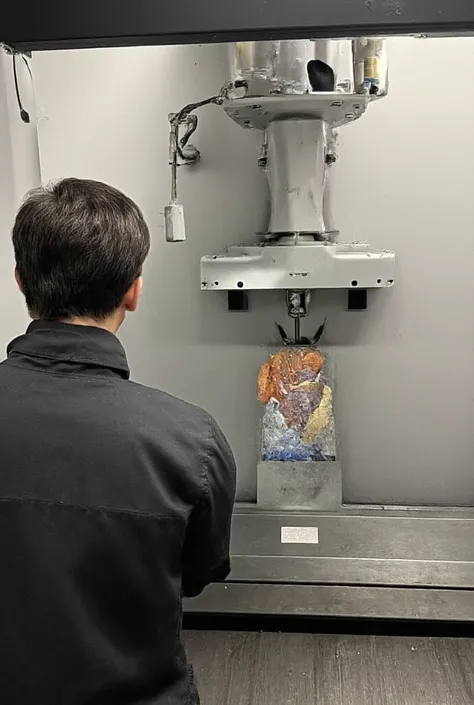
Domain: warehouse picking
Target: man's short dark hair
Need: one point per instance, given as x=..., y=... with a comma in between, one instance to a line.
x=79, y=246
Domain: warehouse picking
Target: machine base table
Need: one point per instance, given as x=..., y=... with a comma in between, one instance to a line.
x=369, y=563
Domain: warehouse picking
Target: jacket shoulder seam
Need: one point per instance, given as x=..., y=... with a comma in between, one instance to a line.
x=208, y=453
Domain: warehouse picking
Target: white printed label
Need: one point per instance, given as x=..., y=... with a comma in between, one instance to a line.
x=300, y=534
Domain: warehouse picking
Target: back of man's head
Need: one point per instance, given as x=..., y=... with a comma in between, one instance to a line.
x=79, y=247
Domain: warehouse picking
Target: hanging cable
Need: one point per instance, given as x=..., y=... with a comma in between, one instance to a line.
x=180, y=149
x=24, y=114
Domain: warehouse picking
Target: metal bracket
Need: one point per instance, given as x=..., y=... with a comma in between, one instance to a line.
x=335, y=109
x=298, y=307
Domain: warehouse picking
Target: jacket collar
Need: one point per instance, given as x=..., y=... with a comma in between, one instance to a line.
x=63, y=342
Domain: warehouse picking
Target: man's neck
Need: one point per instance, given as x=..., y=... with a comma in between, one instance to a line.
x=111, y=324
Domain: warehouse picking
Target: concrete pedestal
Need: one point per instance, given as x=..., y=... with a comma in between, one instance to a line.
x=297, y=485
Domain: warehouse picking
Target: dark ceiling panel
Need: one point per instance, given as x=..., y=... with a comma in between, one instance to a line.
x=55, y=24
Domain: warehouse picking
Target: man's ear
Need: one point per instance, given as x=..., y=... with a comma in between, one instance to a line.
x=18, y=280
x=132, y=297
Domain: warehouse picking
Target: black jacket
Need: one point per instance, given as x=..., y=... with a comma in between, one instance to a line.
x=115, y=501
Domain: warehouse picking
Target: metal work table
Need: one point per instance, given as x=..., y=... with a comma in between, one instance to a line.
x=374, y=563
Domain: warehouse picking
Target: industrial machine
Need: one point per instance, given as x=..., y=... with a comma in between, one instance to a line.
x=295, y=93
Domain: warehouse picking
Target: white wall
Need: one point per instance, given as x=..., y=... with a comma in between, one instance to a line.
x=405, y=388
x=19, y=173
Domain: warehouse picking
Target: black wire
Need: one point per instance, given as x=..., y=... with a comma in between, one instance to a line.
x=23, y=113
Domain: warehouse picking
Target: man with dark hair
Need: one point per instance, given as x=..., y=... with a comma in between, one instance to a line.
x=115, y=499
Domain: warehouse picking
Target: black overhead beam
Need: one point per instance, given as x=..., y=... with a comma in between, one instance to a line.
x=62, y=24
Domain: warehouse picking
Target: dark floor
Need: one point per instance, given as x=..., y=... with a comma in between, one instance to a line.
x=272, y=668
